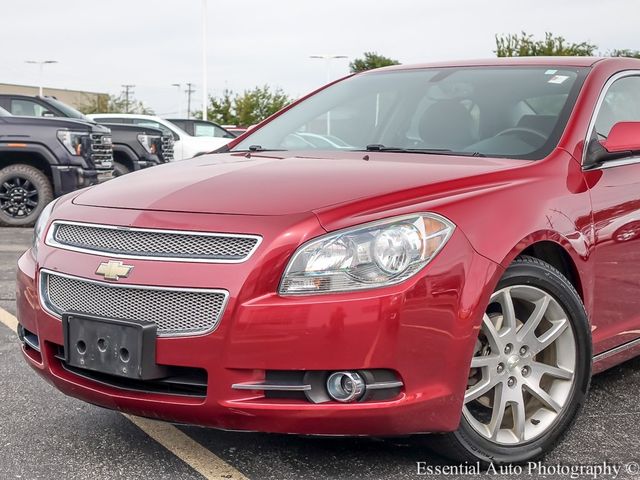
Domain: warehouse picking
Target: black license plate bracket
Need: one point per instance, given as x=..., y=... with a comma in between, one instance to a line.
x=125, y=348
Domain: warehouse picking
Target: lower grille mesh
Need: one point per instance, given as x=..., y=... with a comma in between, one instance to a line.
x=175, y=312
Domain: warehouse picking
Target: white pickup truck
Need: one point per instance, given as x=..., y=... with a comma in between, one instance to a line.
x=186, y=146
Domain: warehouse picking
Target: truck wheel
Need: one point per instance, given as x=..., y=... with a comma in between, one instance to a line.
x=119, y=169
x=530, y=372
x=24, y=192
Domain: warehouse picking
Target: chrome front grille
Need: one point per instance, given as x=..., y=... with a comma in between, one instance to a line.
x=168, y=245
x=174, y=311
x=166, y=150
x=101, y=150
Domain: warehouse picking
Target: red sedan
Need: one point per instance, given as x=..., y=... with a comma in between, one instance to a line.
x=417, y=249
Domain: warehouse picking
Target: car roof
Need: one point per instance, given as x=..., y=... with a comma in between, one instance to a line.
x=125, y=115
x=515, y=61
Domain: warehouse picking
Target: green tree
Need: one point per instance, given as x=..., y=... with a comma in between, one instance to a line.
x=370, y=61
x=624, y=53
x=524, y=45
x=114, y=104
x=248, y=108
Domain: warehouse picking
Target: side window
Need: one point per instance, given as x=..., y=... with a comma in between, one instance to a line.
x=204, y=130
x=110, y=120
x=27, y=108
x=621, y=104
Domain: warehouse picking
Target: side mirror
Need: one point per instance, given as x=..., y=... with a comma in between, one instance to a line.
x=623, y=141
x=48, y=113
x=623, y=137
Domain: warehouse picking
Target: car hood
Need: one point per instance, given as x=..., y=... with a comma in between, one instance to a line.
x=59, y=122
x=280, y=185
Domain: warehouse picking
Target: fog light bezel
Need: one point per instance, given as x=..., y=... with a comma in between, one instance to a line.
x=337, y=391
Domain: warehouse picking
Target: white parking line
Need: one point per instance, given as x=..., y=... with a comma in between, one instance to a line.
x=9, y=320
x=202, y=460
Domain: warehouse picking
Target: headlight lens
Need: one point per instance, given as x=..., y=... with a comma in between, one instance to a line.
x=371, y=255
x=73, y=141
x=149, y=142
x=41, y=224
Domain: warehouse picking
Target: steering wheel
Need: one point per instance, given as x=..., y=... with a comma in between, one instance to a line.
x=525, y=130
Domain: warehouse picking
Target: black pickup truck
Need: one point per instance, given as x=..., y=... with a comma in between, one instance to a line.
x=42, y=158
x=134, y=146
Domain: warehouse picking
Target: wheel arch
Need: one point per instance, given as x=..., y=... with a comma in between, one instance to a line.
x=125, y=155
x=569, y=256
x=33, y=158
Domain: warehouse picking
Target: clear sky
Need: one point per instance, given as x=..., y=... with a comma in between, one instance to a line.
x=154, y=43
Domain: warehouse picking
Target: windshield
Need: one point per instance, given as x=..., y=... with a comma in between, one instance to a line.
x=517, y=112
x=4, y=113
x=67, y=110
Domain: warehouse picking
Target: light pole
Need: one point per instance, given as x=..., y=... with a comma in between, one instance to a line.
x=204, y=60
x=41, y=63
x=179, y=87
x=327, y=58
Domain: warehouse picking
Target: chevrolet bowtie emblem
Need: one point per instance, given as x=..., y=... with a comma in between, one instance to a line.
x=113, y=270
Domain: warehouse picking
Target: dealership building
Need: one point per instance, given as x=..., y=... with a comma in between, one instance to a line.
x=75, y=98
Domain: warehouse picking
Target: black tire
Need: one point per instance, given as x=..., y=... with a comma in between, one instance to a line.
x=119, y=169
x=24, y=192
x=466, y=444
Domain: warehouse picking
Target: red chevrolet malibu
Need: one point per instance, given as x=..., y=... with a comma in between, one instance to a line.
x=449, y=249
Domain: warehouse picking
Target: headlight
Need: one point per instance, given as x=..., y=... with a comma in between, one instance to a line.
x=371, y=255
x=41, y=224
x=73, y=141
x=149, y=142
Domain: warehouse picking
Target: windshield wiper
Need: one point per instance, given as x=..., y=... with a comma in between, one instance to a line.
x=376, y=147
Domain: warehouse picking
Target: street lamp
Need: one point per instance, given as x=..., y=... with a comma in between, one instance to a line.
x=178, y=86
x=41, y=63
x=327, y=58
x=204, y=59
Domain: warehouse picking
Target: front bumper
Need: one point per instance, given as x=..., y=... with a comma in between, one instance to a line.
x=424, y=330
x=68, y=178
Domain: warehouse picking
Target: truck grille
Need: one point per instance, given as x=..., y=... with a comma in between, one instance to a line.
x=150, y=244
x=166, y=150
x=101, y=150
x=174, y=311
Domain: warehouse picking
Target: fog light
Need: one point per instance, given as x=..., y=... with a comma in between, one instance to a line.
x=345, y=386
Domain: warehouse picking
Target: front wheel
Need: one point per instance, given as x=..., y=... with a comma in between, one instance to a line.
x=530, y=371
x=24, y=192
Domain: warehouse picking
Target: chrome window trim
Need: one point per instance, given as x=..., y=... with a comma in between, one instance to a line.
x=52, y=242
x=592, y=123
x=53, y=313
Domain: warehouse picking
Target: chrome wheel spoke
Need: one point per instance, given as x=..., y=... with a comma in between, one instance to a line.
x=544, y=398
x=509, y=322
x=519, y=416
x=555, y=372
x=493, y=337
x=499, y=408
x=527, y=330
x=551, y=335
x=485, y=361
x=479, y=389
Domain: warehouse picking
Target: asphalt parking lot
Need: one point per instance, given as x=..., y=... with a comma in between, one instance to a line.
x=44, y=434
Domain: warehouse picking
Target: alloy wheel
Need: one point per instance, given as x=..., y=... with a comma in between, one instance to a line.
x=18, y=197
x=523, y=369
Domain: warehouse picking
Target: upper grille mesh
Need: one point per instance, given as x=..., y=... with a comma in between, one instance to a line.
x=175, y=312
x=149, y=243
